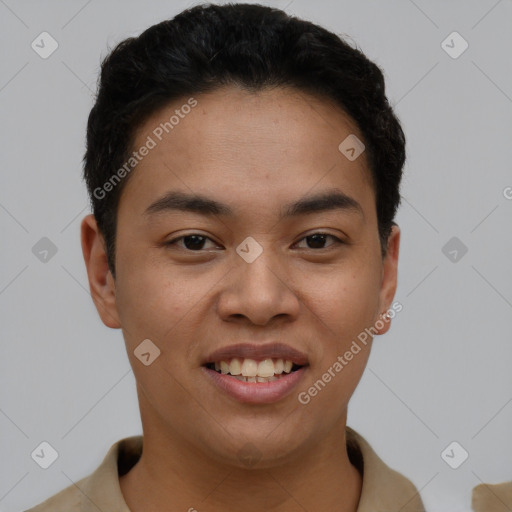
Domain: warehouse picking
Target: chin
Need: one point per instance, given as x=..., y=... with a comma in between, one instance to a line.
x=254, y=448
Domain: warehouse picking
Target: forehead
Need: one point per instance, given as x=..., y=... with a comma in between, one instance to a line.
x=277, y=142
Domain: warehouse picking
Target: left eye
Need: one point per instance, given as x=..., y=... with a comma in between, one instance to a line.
x=317, y=240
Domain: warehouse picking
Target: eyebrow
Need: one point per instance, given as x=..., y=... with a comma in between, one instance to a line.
x=195, y=203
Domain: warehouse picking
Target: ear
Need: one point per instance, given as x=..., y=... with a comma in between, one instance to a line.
x=389, y=278
x=101, y=282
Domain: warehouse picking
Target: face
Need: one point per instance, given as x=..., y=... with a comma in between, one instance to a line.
x=245, y=237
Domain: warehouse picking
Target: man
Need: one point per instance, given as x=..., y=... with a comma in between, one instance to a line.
x=244, y=170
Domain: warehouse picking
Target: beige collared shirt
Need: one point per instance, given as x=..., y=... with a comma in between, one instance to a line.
x=492, y=498
x=383, y=488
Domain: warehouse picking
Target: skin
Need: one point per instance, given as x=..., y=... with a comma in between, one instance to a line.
x=254, y=152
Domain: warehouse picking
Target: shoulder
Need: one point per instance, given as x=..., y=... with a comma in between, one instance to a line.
x=100, y=490
x=67, y=500
x=492, y=497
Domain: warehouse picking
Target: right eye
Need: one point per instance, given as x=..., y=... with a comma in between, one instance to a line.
x=194, y=242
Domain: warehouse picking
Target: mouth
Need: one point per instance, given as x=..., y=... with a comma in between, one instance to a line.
x=256, y=374
x=252, y=370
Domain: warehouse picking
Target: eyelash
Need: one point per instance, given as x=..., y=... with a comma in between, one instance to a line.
x=337, y=240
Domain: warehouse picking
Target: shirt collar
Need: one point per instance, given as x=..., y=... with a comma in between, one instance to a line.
x=382, y=489
x=101, y=491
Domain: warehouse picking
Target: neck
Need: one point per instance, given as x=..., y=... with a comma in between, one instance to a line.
x=173, y=476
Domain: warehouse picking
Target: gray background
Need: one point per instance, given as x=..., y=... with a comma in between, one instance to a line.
x=443, y=372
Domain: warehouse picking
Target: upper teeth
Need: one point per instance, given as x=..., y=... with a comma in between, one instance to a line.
x=252, y=368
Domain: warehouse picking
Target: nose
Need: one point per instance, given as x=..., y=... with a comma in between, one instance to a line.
x=258, y=292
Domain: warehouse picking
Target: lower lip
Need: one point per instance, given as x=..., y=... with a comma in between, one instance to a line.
x=256, y=392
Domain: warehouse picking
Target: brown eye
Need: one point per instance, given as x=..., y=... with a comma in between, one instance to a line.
x=194, y=242
x=318, y=240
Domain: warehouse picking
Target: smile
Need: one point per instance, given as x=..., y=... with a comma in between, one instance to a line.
x=250, y=370
x=256, y=373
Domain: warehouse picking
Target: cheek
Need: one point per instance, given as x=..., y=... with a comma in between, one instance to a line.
x=345, y=299
x=159, y=308
x=150, y=301
x=345, y=306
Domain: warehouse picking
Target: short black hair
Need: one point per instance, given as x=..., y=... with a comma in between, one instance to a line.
x=254, y=47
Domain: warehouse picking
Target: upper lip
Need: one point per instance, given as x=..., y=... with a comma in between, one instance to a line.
x=252, y=351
